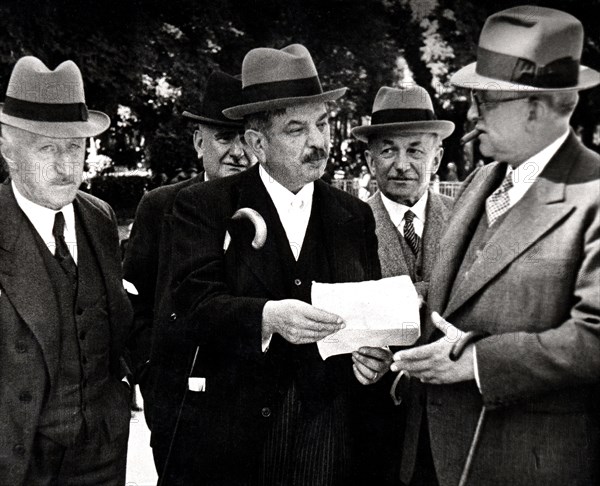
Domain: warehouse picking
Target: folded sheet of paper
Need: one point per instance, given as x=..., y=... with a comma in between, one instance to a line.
x=377, y=313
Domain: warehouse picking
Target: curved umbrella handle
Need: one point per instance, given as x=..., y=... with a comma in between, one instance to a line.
x=260, y=227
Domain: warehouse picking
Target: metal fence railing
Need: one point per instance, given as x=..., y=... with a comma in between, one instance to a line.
x=353, y=187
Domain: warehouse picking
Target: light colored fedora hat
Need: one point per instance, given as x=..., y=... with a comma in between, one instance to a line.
x=529, y=48
x=274, y=79
x=406, y=110
x=50, y=103
x=222, y=90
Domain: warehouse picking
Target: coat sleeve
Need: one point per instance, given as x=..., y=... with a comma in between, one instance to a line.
x=211, y=314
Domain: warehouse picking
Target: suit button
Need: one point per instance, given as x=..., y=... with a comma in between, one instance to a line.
x=19, y=450
x=173, y=317
x=25, y=397
x=84, y=360
x=266, y=412
x=82, y=335
x=298, y=282
x=21, y=347
x=79, y=311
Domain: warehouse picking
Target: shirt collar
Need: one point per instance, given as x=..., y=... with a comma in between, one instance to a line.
x=41, y=217
x=284, y=198
x=529, y=170
x=397, y=210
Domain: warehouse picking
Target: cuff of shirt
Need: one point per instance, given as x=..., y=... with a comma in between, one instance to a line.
x=476, y=368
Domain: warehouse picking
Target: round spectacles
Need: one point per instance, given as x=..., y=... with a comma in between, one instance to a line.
x=479, y=103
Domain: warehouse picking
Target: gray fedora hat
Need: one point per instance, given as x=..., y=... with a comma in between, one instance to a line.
x=50, y=103
x=403, y=109
x=528, y=48
x=222, y=90
x=279, y=78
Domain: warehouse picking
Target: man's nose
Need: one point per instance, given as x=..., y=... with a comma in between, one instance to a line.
x=401, y=163
x=317, y=138
x=237, y=148
x=473, y=113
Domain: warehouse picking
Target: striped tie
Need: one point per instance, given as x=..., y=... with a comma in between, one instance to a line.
x=410, y=236
x=499, y=201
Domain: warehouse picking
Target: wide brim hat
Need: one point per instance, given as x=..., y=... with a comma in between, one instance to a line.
x=222, y=91
x=279, y=78
x=529, y=48
x=50, y=103
x=406, y=109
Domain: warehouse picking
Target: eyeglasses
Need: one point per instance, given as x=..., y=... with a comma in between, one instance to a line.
x=478, y=103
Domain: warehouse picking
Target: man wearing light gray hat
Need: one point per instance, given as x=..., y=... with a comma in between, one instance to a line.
x=64, y=314
x=508, y=373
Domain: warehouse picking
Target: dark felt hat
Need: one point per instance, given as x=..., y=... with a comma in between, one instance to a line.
x=222, y=90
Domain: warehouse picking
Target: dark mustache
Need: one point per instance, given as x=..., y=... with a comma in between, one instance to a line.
x=315, y=155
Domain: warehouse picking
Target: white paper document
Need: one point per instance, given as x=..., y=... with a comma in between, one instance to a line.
x=377, y=313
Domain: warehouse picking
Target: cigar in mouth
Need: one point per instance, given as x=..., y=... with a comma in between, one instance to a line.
x=472, y=135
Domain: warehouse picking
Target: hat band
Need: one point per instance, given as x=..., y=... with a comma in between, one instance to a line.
x=45, y=112
x=402, y=115
x=290, y=88
x=561, y=73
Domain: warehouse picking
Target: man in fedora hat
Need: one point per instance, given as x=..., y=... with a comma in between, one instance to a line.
x=219, y=141
x=64, y=314
x=404, y=152
x=272, y=411
x=519, y=265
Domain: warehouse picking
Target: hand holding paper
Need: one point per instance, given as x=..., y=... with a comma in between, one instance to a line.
x=377, y=313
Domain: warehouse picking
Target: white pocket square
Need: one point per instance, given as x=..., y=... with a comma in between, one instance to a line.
x=197, y=384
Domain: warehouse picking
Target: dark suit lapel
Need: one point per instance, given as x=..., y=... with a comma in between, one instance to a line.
x=341, y=234
x=390, y=252
x=265, y=262
x=541, y=208
x=29, y=290
x=436, y=215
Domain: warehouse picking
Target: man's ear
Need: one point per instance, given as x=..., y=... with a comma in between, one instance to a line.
x=437, y=160
x=198, y=143
x=538, y=109
x=256, y=141
x=7, y=154
x=370, y=162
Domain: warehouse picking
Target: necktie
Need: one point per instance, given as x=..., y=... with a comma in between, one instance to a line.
x=62, y=253
x=410, y=236
x=499, y=202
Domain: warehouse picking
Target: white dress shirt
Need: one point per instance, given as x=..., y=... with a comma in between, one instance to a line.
x=293, y=209
x=397, y=212
x=523, y=177
x=42, y=220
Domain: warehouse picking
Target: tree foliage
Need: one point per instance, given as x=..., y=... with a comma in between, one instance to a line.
x=146, y=61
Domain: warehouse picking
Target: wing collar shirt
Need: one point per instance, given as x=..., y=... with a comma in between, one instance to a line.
x=42, y=220
x=523, y=178
x=397, y=212
x=293, y=209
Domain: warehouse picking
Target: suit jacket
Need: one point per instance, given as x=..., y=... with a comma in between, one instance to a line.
x=148, y=267
x=536, y=288
x=218, y=302
x=29, y=361
x=390, y=254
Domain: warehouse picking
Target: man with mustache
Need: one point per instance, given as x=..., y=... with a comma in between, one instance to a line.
x=64, y=314
x=220, y=144
x=519, y=274
x=404, y=152
x=272, y=411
